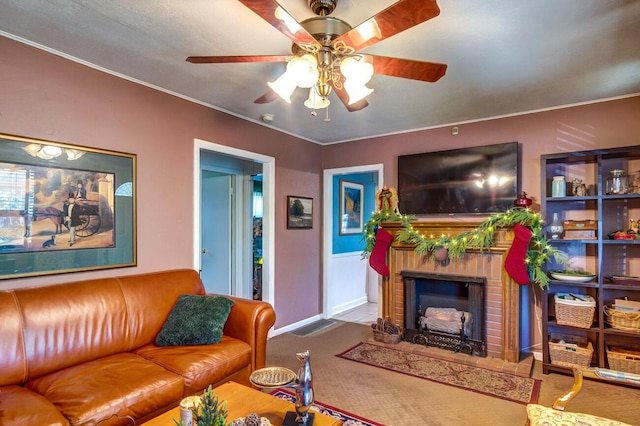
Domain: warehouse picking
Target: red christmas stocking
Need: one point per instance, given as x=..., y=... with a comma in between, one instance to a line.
x=515, y=262
x=378, y=257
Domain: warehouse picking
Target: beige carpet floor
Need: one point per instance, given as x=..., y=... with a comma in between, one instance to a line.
x=396, y=399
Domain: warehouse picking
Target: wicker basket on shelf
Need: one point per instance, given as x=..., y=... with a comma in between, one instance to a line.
x=623, y=359
x=573, y=311
x=570, y=351
x=385, y=331
x=622, y=320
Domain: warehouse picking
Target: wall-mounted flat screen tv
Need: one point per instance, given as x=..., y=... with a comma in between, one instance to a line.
x=481, y=179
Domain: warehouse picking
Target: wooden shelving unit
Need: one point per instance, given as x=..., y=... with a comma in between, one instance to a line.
x=602, y=256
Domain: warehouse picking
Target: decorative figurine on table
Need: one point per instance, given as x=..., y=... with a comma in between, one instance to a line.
x=304, y=394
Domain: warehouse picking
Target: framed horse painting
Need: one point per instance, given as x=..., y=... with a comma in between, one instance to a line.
x=64, y=208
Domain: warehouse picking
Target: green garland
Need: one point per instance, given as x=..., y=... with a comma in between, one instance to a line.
x=480, y=238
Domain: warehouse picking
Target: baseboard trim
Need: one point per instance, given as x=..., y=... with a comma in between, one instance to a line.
x=295, y=325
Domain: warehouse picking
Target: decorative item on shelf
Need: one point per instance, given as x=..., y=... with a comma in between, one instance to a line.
x=578, y=188
x=574, y=276
x=623, y=315
x=580, y=229
x=622, y=235
x=386, y=331
x=523, y=201
x=575, y=310
x=624, y=280
x=555, y=228
x=570, y=351
x=624, y=358
x=617, y=182
x=634, y=183
x=558, y=187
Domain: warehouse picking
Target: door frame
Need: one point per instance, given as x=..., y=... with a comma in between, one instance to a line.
x=328, y=203
x=268, y=218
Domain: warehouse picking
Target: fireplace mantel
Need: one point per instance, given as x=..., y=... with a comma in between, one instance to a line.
x=503, y=298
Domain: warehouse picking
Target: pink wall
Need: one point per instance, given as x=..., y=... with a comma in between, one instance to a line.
x=601, y=125
x=47, y=97
x=44, y=96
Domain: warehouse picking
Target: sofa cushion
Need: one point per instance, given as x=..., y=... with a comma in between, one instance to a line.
x=540, y=415
x=121, y=385
x=195, y=320
x=21, y=406
x=201, y=365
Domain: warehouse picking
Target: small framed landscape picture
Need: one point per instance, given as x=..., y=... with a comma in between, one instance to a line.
x=299, y=212
x=351, y=213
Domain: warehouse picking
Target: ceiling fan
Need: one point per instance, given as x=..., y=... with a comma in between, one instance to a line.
x=325, y=53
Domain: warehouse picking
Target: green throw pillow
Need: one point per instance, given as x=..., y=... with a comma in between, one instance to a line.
x=195, y=320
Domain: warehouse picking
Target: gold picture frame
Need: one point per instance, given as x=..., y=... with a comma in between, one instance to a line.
x=64, y=208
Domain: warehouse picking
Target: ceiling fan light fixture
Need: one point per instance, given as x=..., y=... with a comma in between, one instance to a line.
x=356, y=91
x=284, y=86
x=356, y=70
x=305, y=70
x=315, y=101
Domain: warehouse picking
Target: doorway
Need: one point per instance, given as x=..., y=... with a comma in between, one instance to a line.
x=224, y=240
x=339, y=267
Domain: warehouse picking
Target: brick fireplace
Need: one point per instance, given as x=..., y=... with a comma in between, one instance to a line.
x=502, y=294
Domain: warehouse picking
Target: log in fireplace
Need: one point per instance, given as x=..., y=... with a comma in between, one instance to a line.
x=446, y=311
x=502, y=295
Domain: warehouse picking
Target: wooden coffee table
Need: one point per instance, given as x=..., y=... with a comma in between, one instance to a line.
x=242, y=400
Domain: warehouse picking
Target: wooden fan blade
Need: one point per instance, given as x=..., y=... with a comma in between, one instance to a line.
x=344, y=97
x=407, y=68
x=273, y=13
x=394, y=19
x=235, y=59
x=267, y=97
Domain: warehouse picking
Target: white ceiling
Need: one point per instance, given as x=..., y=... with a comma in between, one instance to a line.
x=503, y=57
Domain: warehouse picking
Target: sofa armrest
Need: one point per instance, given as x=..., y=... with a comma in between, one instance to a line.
x=250, y=321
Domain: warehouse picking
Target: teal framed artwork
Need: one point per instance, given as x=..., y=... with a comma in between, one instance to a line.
x=351, y=212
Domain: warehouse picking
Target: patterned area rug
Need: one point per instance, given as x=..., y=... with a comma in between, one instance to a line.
x=523, y=390
x=348, y=419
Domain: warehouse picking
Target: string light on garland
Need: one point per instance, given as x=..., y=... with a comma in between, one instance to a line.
x=539, y=250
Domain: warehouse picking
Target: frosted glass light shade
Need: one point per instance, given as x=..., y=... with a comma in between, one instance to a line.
x=284, y=86
x=356, y=91
x=356, y=70
x=315, y=101
x=304, y=70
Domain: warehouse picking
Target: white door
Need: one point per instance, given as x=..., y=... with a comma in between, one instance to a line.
x=216, y=225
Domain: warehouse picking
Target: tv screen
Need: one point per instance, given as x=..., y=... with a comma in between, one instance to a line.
x=481, y=179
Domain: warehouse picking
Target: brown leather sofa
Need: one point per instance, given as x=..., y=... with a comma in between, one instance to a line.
x=83, y=353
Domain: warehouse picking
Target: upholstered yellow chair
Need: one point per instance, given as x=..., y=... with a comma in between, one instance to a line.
x=539, y=415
